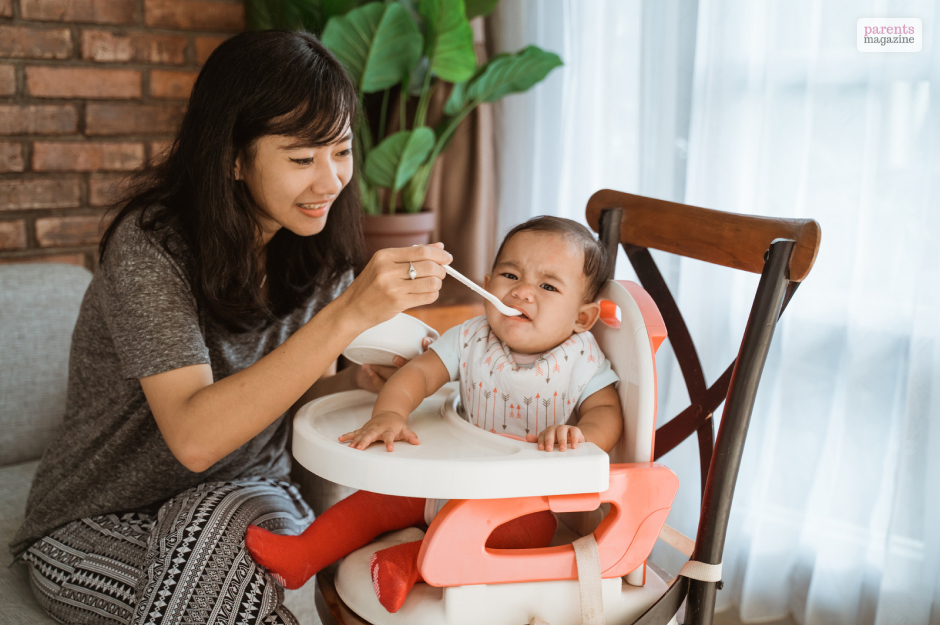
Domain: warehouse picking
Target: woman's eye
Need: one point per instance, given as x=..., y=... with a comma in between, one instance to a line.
x=302, y=161
x=345, y=152
x=548, y=287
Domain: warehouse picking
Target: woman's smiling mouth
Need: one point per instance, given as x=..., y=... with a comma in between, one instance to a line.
x=314, y=210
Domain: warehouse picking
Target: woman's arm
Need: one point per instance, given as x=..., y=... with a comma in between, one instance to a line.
x=203, y=420
x=405, y=390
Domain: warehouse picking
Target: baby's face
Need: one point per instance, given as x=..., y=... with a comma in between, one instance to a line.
x=542, y=275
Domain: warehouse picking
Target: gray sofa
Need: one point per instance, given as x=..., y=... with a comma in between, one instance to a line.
x=39, y=304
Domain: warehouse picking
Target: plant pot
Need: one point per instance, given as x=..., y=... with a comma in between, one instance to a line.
x=398, y=230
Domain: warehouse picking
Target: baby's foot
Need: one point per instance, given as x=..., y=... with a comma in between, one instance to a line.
x=394, y=572
x=280, y=555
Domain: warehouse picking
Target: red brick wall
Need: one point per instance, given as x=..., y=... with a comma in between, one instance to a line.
x=89, y=91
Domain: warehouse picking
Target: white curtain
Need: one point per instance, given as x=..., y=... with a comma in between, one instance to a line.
x=836, y=517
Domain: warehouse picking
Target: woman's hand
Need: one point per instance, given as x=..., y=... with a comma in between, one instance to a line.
x=386, y=426
x=384, y=289
x=560, y=434
x=373, y=377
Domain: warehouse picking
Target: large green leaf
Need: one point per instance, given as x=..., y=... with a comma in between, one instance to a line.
x=284, y=15
x=480, y=7
x=332, y=8
x=457, y=99
x=377, y=43
x=505, y=74
x=449, y=39
x=394, y=161
x=416, y=190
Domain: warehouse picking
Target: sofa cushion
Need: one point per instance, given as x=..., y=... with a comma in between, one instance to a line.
x=39, y=304
x=18, y=605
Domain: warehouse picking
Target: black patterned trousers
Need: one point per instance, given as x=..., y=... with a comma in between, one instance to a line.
x=186, y=566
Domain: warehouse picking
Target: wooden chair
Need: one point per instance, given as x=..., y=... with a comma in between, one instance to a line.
x=782, y=251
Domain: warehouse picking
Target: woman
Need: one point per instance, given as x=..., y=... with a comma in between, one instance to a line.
x=223, y=296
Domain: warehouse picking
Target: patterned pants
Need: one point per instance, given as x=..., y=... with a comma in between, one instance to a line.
x=188, y=565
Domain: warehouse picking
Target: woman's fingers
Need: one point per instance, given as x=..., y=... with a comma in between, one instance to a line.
x=384, y=287
x=423, y=269
x=384, y=373
x=434, y=252
x=423, y=285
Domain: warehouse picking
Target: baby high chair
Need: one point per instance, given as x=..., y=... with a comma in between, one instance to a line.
x=467, y=583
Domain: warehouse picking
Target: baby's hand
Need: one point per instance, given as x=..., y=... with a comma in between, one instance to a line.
x=562, y=434
x=387, y=426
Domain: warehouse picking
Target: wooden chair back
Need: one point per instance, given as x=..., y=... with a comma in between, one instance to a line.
x=783, y=252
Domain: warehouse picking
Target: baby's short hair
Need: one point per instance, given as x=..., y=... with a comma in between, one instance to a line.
x=596, y=258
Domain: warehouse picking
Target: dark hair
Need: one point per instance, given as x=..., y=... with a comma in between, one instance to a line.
x=596, y=258
x=254, y=84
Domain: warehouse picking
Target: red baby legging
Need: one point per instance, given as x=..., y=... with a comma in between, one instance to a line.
x=357, y=520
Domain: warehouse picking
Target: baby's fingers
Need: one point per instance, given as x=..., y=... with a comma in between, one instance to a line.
x=547, y=439
x=409, y=437
x=364, y=439
x=575, y=436
x=348, y=436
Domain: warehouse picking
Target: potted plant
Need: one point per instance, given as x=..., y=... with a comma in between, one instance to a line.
x=406, y=49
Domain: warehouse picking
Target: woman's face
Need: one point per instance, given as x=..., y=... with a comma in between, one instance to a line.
x=294, y=184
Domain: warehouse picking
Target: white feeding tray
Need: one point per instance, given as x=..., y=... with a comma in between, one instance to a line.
x=455, y=460
x=399, y=336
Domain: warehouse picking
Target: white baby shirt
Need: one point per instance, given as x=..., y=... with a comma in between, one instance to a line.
x=503, y=396
x=508, y=397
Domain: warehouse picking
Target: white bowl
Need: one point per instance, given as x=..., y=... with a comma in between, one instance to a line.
x=399, y=336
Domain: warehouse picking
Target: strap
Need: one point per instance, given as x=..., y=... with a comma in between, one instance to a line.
x=701, y=571
x=588, y=560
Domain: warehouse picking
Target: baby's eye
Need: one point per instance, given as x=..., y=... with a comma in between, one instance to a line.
x=302, y=161
x=511, y=276
x=548, y=287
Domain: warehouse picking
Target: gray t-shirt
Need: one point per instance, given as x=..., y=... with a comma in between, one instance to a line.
x=139, y=318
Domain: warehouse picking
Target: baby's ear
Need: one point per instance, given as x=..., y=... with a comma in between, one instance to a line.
x=588, y=314
x=486, y=281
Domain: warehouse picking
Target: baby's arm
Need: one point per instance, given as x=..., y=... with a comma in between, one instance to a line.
x=601, y=423
x=402, y=393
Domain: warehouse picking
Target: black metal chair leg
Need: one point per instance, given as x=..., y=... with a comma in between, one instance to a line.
x=729, y=446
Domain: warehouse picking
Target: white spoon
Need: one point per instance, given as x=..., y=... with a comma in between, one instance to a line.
x=501, y=307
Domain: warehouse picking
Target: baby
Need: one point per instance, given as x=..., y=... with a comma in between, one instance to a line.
x=525, y=376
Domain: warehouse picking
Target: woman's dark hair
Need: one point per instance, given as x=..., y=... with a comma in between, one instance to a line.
x=596, y=258
x=254, y=84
